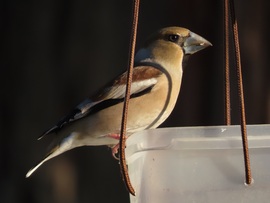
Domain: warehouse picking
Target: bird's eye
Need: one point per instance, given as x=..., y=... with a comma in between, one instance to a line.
x=173, y=38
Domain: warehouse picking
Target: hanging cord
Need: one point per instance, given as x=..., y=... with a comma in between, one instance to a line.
x=240, y=92
x=227, y=64
x=122, y=142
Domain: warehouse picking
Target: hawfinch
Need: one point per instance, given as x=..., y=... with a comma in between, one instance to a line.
x=157, y=77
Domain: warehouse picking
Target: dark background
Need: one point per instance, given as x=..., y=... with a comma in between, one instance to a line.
x=56, y=53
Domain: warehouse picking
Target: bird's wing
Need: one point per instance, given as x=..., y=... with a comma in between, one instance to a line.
x=144, y=78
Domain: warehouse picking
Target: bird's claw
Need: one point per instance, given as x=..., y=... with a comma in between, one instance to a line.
x=115, y=149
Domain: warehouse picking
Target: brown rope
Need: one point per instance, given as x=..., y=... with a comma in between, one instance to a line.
x=227, y=64
x=122, y=141
x=241, y=94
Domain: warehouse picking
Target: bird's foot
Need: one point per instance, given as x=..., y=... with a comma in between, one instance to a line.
x=115, y=148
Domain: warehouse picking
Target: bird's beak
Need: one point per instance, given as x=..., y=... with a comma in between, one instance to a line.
x=195, y=43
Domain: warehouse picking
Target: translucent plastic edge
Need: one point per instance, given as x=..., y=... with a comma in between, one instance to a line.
x=197, y=138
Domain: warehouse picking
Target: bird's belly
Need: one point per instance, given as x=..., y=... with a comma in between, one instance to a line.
x=146, y=111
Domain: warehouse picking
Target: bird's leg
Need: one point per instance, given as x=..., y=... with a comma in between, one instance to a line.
x=114, y=136
x=115, y=147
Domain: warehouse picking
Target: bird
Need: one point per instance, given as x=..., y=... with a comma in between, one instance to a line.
x=156, y=81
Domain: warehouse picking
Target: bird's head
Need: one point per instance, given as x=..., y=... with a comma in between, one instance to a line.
x=169, y=46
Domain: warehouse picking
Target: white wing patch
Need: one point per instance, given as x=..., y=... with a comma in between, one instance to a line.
x=118, y=92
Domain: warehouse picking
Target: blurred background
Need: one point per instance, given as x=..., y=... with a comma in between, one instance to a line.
x=56, y=53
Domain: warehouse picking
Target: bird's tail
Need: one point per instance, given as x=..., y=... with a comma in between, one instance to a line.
x=66, y=144
x=54, y=152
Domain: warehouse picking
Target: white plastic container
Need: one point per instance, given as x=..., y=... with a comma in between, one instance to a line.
x=198, y=164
